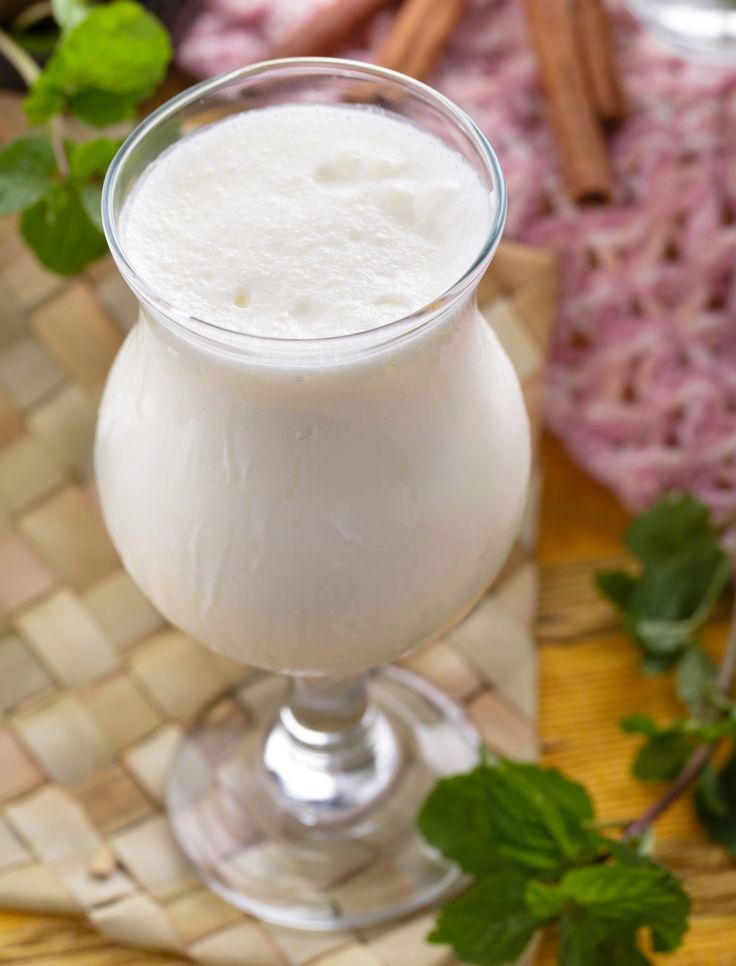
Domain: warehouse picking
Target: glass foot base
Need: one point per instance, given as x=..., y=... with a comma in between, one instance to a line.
x=368, y=869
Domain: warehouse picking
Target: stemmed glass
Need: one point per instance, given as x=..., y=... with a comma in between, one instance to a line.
x=314, y=508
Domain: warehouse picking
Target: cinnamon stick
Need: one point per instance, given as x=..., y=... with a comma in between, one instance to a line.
x=595, y=38
x=419, y=34
x=578, y=136
x=328, y=28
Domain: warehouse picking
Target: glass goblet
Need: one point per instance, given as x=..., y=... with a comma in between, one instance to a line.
x=314, y=508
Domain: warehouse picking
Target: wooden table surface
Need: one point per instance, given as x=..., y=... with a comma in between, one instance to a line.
x=589, y=680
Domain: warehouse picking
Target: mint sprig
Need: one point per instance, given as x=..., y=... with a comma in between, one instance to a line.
x=113, y=57
x=667, y=747
x=529, y=835
x=682, y=573
x=107, y=59
x=61, y=218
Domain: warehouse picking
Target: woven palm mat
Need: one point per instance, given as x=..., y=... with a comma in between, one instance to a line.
x=96, y=690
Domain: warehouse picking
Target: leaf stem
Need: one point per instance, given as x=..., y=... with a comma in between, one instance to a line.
x=19, y=58
x=33, y=15
x=56, y=135
x=688, y=774
x=700, y=756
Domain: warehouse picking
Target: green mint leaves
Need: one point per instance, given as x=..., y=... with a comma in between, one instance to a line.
x=88, y=163
x=60, y=217
x=59, y=230
x=668, y=747
x=665, y=752
x=528, y=834
x=683, y=572
x=112, y=58
x=695, y=676
x=511, y=816
x=108, y=58
x=27, y=167
x=491, y=923
x=628, y=896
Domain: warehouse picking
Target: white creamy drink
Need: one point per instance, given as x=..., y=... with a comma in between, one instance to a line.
x=311, y=506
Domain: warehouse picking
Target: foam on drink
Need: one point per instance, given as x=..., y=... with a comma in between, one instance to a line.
x=306, y=220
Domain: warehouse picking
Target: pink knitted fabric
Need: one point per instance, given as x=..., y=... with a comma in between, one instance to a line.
x=642, y=382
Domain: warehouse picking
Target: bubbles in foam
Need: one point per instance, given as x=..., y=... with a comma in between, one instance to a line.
x=340, y=219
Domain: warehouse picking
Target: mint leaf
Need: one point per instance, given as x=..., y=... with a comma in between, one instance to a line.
x=695, y=676
x=543, y=901
x=641, y=724
x=490, y=924
x=68, y=13
x=90, y=196
x=673, y=599
x=683, y=573
x=117, y=49
x=665, y=752
x=528, y=828
x=558, y=788
x=100, y=108
x=88, y=163
x=586, y=941
x=455, y=819
x=655, y=665
x=91, y=158
x=663, y=758
x=27, y=167
x=618, y=586
x=709, y=792
x=707, y=733
x=43, y=100
x=636, y=896
x=676, y=522
x=715, y=805
x=510, y=815
x=60, y=232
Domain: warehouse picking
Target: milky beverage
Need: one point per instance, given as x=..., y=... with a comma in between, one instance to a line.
x=310, y=506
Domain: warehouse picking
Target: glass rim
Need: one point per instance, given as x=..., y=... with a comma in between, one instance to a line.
x=223, y=335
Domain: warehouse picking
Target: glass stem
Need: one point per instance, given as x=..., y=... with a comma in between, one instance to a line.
x=330, y=753
x=325, y=714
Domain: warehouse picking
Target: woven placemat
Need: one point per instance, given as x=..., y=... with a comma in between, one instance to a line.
x=96, y=690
